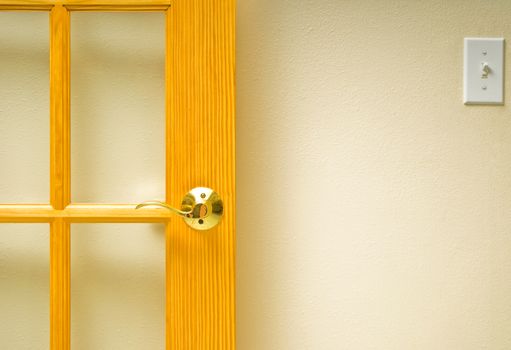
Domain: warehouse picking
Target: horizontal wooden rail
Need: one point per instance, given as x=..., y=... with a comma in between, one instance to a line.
x=114, y=213
x=26, y=213
x=21, y=7
x=82, y=213
x=116, y=8
x=85, y=5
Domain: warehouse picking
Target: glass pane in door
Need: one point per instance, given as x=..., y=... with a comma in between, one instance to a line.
x=118, y=286
x=24, y=286
x=117, y=107
x=24, y=107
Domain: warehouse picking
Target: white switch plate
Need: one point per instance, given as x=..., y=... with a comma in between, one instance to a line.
x=479, y=89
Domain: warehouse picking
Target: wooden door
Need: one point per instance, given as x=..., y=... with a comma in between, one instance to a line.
x=200, y=146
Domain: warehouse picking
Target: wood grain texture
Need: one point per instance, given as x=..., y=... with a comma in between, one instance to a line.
x=200, y=148
x=60, y=273
x=18, y=213
x=59, y=179
x=115, y=213
x=86, y=5
x=201, y=152
x=118, y=8
x=49, y=3
x=81, y=213
x=60, y=193
x=26, y=5
x=120, y=3
x=21, y=7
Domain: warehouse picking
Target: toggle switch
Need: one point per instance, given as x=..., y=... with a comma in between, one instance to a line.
x=484, y=71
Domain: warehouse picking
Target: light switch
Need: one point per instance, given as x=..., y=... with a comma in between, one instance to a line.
x=484, y=71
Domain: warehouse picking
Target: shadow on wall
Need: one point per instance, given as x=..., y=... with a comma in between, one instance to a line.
x=266, y=201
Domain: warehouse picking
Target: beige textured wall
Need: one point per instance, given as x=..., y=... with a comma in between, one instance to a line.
x=374, y=208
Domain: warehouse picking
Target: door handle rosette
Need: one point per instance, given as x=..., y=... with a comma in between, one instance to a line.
x=201, y=208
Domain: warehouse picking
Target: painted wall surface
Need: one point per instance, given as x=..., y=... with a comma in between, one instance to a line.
x=374, y=208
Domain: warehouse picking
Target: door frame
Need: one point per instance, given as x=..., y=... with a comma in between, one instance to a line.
x=200, y=152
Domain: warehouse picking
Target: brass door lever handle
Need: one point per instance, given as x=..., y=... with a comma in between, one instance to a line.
x=201, y=208
x=164, y=205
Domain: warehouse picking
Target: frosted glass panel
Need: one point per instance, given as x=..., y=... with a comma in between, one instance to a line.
x=117, y=286
x=24, y=107
x=117, y=106
x=24, y=286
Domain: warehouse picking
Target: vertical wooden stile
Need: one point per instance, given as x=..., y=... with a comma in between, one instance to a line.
x=59, y=179
x=201, y=152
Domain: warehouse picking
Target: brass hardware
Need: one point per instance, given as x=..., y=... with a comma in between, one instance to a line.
x=201, y=208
